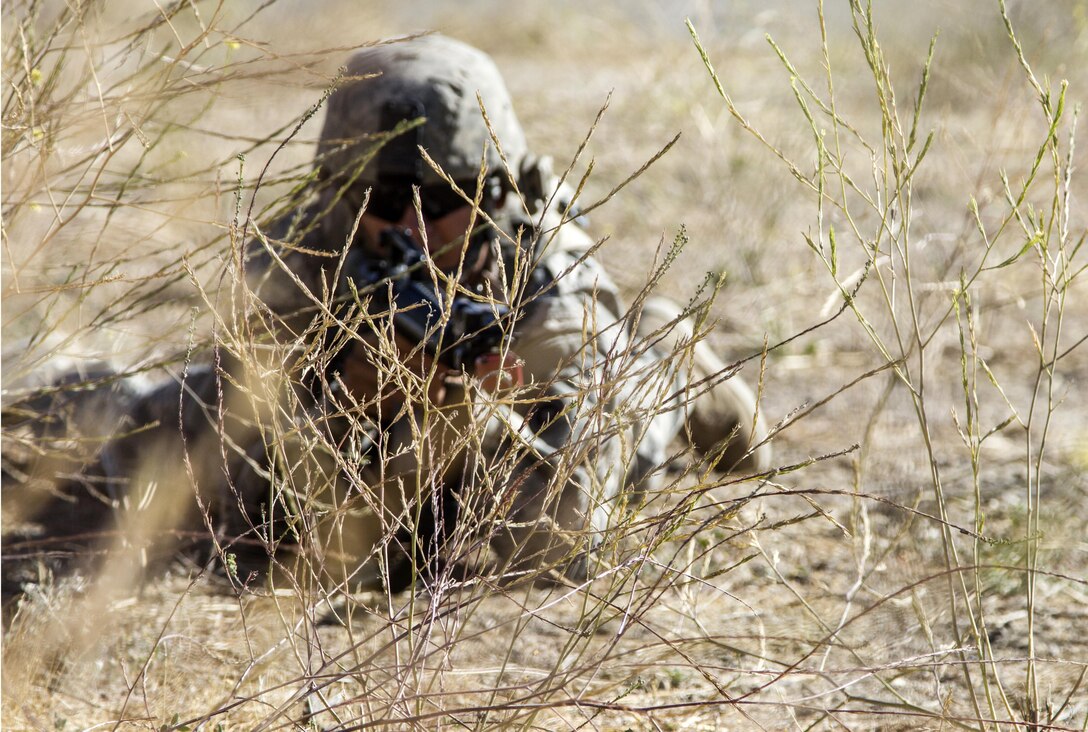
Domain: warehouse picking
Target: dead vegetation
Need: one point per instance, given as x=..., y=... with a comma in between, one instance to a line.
x=899, y=229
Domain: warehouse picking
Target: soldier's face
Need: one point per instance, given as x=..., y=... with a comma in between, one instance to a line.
x=436, y=236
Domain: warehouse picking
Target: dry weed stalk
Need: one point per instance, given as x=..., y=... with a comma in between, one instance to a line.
x=875, y=210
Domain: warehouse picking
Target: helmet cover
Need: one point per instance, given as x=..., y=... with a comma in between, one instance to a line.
x=433, y=77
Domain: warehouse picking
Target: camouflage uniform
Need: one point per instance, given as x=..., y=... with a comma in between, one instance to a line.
x=605, y=390
x=599, y=409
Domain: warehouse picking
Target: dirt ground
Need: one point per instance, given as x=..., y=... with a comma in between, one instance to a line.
x=878, y=579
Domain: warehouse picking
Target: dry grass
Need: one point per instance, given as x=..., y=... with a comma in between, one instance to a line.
x=918, y=560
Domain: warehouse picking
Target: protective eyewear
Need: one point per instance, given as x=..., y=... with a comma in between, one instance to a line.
x=389, y=201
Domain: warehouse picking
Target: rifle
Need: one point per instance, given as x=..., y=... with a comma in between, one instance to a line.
x=400, y=282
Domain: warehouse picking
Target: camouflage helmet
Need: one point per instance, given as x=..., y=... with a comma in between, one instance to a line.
x=433, y=77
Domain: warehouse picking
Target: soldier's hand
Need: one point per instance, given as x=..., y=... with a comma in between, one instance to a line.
x=497, y=372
